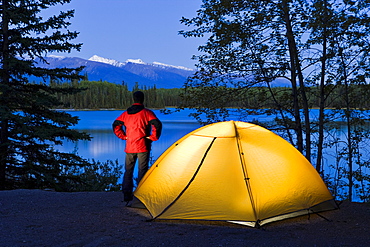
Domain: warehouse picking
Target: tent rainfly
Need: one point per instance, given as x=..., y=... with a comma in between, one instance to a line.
x=233, y=171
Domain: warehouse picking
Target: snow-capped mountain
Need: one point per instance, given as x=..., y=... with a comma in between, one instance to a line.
x=138, y=61
x=113, y=62
x=171, y=66
x=116, y=63
x=131, y=71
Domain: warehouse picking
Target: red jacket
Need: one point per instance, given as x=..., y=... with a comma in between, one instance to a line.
x=141, y=127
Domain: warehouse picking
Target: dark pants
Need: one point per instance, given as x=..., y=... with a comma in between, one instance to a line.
x=128, y=183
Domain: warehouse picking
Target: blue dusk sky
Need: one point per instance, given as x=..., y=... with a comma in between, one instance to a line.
x=133, y=29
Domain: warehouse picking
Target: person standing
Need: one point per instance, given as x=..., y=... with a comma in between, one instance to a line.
x=139, y=127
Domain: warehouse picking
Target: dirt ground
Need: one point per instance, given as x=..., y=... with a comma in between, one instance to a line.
x=45, y=218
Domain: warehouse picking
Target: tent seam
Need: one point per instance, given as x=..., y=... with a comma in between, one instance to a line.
x=191, y=180
x=245, y=172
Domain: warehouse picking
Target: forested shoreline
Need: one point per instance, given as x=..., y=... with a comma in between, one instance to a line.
x=106, y=95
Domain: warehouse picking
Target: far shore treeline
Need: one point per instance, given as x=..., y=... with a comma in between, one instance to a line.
x=106, y=95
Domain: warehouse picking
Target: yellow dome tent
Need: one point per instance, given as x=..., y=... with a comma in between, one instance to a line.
x=233, y=171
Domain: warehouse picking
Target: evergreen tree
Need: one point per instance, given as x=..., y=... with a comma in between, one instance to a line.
x=29, y=127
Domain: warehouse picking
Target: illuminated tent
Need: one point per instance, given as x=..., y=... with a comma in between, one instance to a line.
x=233, y=171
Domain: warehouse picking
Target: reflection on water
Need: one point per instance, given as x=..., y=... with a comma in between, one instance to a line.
x=106, y=146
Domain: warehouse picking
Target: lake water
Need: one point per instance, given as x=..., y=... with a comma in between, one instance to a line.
x=106, y=146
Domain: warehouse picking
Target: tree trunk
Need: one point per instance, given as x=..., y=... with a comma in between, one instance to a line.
x=322, y=99
x=4, y=139
x=306, y=110
x=348, y=125
x=293, y=63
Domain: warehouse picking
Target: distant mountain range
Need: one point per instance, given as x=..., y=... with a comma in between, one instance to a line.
x=99, y=68
x=131, y=71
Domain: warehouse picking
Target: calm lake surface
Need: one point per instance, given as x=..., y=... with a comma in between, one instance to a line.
x=106, y=146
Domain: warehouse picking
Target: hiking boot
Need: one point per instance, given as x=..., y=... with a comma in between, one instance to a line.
x=129, y=204
x=127, y=196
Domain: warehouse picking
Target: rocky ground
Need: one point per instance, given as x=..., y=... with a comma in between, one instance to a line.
x=45, y=218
